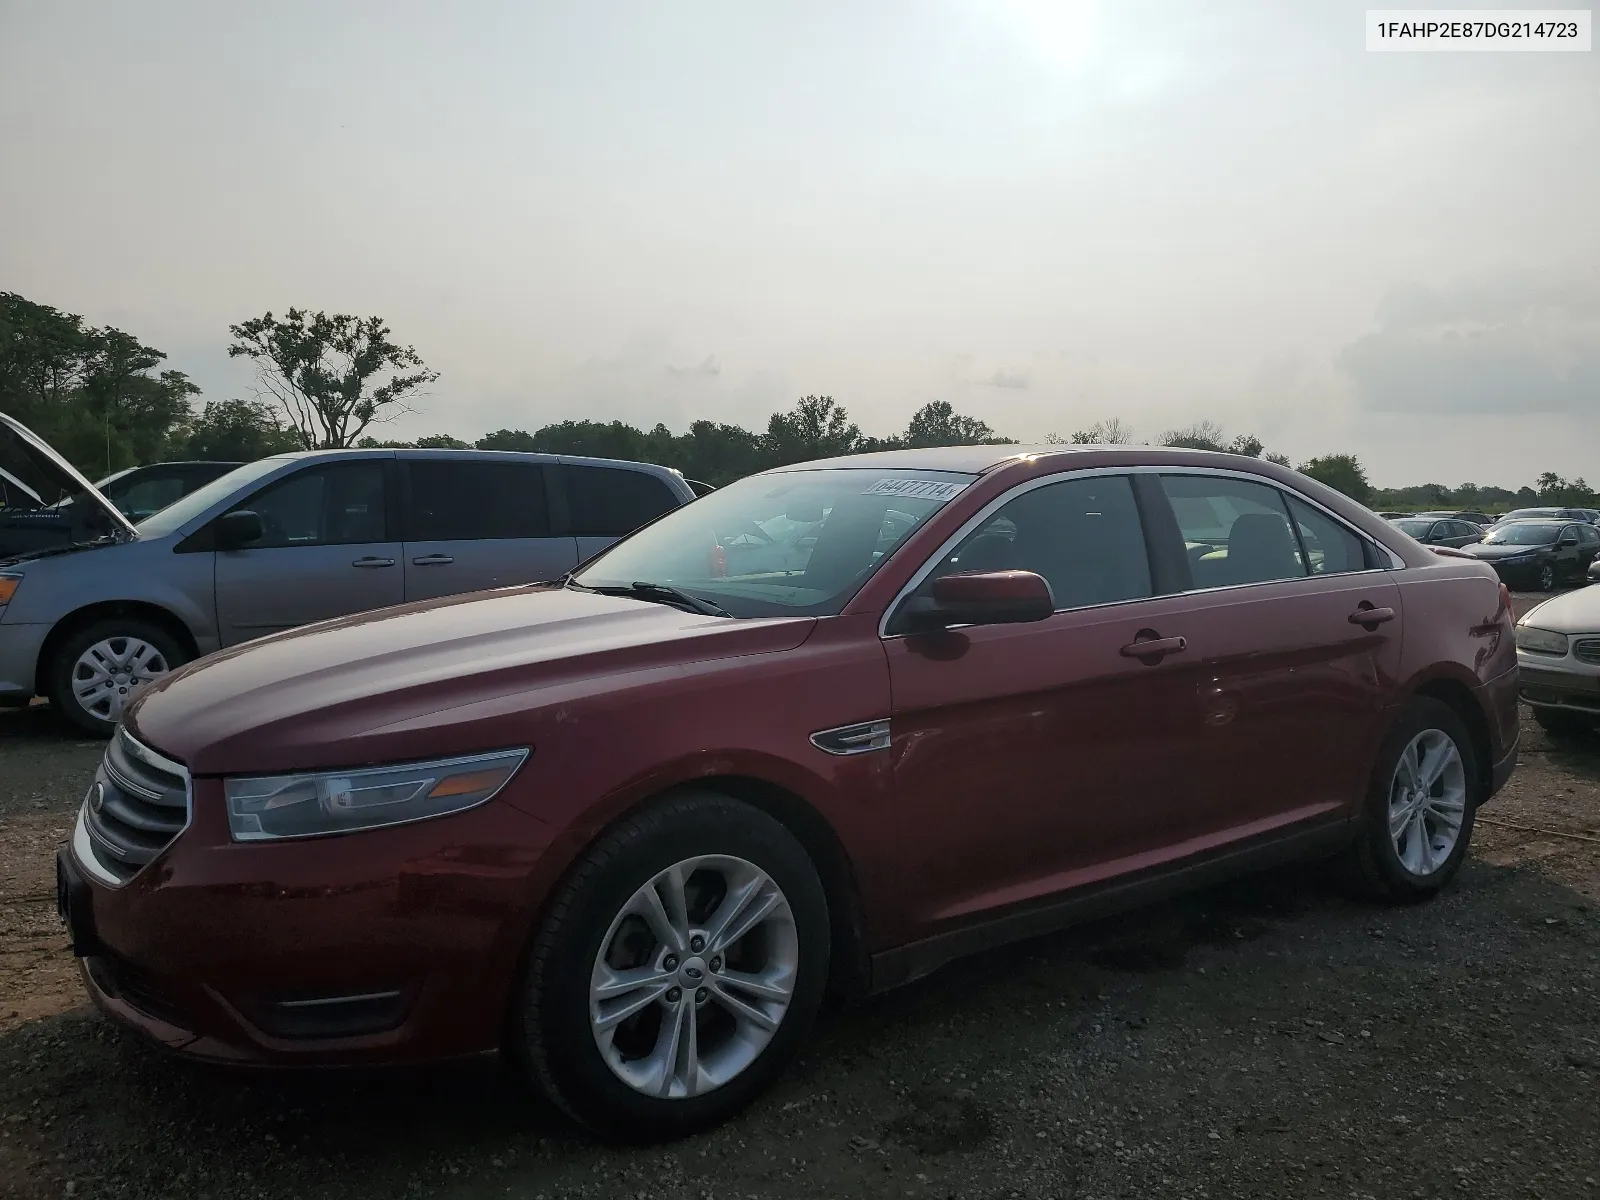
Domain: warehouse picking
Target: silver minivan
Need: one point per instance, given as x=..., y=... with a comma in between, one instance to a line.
x=286, y=541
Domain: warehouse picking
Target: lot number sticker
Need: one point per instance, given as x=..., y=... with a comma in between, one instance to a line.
x=916, y=489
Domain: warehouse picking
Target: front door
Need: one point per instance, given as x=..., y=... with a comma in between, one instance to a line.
x=1041, y=751
x=324, y=552
x=475, y=523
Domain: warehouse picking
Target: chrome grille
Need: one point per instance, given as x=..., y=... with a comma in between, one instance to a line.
x=139, y=802
x=1587, y=650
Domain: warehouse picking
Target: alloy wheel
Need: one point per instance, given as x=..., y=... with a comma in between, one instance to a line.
x=107, y=673
x=1547, y=578
x=1427, y=802
x=693, y=977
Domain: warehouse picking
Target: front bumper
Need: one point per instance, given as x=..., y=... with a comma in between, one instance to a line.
x=19, y=659
x=1545, y=685
x=387, y=946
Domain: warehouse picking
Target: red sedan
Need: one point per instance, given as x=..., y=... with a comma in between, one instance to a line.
x=826, y=728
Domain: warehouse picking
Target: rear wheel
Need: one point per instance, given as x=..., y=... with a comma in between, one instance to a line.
x=1417, y=821
x=677, y=972
x=1559, y=723
x=97, y=671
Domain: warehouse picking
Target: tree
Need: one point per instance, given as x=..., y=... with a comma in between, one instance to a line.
x=937, y=423
x=1111, y=432
x=94, y=394
x=234, y=431
x=815, y=427
x=1202, y=435
x=506, y=439
x=332, y=375
x=1281, y=460
x=1342, y=472
x=442, y=441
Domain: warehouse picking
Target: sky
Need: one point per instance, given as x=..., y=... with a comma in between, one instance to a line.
x=1047, y=212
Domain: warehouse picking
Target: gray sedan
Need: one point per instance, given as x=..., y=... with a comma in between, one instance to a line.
x=287, y=541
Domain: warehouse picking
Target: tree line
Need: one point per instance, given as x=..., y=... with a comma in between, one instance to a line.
x=105, y=400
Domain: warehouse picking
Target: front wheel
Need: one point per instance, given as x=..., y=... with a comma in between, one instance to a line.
x=97, y=670
x=1417, y=820
x=1547, y=577
x=677, y=971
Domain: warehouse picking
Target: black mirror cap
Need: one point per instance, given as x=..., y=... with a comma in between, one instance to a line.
x=238, y=528
x=979, y=598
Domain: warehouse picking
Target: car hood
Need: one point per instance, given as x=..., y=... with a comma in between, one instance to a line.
x=37, y=463
x=1571, y=612
x=1479, y=550
x=441, y=677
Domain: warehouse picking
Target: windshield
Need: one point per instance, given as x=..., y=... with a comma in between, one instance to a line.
x=181, y=512
x=785, y=544
x=1414, y=528
x=1531, y=534
x=1524, y=513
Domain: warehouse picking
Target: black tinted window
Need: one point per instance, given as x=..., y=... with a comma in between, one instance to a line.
x=475, y=500
x=1082, y=535
x=1235, y=531
x=336, y=505
x=611, y=501
x=1590, y=535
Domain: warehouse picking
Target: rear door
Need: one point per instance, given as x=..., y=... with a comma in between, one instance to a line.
x=607, y=503
x=325, y=552
x=475, y=523
x=1293, y=645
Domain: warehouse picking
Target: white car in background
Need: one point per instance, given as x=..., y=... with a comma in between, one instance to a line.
x=1558, y=653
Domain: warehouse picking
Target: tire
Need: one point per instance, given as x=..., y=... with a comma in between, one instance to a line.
x=1424, y=861
x=616, y=1091
x=1561, y=724
x=120, y=643
x=1547, y=578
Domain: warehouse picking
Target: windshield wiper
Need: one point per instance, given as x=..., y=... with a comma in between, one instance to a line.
x=659, y=593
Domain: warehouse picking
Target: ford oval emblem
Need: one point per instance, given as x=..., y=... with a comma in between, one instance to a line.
x=97, y=796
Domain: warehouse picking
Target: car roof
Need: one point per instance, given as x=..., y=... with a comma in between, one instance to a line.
x=978, y=460
x=427, y=452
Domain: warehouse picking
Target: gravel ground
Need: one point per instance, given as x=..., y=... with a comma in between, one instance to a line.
x=1267, y=1039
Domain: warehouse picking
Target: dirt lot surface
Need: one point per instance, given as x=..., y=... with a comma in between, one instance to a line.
x=1268, y=1039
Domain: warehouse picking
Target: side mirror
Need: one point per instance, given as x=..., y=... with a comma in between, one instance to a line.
x=238, y=528
x=982, y=598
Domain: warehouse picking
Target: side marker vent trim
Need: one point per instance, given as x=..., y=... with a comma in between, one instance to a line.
x=853, y=739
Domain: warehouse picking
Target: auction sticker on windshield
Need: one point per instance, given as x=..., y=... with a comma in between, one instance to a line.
x=916, y=489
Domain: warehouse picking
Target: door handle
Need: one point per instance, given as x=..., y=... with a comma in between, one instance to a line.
x=432, y=560
x=1151, y=648
x=1371, y=617
x=372, y=562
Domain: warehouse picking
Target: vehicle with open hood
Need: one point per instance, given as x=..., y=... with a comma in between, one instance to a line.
x=90, y=617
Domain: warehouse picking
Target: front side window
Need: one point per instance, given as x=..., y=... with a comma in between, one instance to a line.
x=787, y=543
x=1083, y=535
x=337, y=505
x=1234, y=531
x=613, y=501
x=467, y=500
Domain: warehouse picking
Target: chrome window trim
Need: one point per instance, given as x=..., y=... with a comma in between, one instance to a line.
x=82, y=842
x=1021, y=489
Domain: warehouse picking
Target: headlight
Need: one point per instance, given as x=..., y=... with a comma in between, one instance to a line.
x=283, y=806
x=8, y=588
x=1540, y=641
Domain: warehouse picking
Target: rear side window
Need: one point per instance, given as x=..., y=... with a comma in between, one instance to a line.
x=1083, y=535
x=1234, y=531
x=1330, y=548
x=613, y=501
x=474, y=500
x=1590, y=536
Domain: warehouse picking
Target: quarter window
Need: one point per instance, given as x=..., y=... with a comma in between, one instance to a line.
x=476, y=500
x=1083, y=535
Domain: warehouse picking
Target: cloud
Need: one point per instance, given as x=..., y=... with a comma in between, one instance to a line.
x=1005, y=379
x=706, y=368
x=1492, y=344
